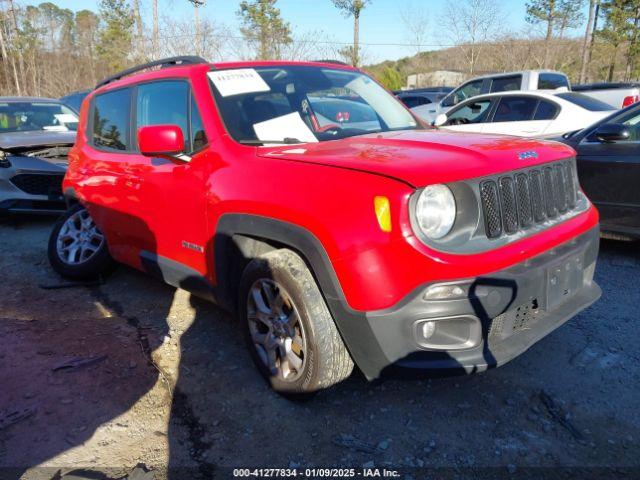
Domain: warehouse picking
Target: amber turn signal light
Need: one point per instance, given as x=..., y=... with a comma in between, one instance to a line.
x=383, y=212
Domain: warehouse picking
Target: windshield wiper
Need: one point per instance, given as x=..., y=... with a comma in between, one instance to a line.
x=286, y=141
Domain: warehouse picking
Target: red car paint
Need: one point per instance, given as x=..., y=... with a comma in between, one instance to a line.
x=326, y=188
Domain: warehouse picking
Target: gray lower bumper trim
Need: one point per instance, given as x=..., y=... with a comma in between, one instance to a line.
x=500, y=295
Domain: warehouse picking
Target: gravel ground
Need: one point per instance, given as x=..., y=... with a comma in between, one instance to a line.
x=136, y=372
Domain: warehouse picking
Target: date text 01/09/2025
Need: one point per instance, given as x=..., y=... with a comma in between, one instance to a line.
x=315, y=472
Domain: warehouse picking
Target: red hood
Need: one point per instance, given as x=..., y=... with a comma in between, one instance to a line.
x=424, y=157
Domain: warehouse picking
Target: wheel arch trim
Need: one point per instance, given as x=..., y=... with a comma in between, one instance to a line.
x=352, y=325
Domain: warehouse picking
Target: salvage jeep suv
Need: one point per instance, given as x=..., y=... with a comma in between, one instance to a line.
x=307, y=200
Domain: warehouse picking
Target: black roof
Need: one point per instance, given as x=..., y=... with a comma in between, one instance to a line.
x=163, y=63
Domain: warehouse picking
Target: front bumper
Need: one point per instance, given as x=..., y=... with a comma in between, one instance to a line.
x=488, y=321
x=42, y=195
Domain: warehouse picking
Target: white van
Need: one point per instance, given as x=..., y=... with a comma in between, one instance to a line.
x=499, y=82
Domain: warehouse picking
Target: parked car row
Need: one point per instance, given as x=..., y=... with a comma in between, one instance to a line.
x=502, y=82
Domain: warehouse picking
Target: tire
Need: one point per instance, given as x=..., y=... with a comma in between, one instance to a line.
x=314, y=338
x=86, y=264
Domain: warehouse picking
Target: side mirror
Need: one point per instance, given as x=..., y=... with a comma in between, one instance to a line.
x=612, y=132
x=164, y=141
x=440, y=120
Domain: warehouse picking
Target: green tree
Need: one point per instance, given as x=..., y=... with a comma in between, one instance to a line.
x=558, y=15
x=115, y=38
x=352, y=8
x=621, y=28
x=264, y=28
x=390, y=78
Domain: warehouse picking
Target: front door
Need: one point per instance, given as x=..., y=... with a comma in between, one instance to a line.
x=175, y=191
x=610, y=176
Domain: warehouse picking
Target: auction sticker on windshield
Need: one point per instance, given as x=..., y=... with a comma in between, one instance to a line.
x=236, y=82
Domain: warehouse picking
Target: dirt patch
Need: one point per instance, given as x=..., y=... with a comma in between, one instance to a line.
x=158, y=377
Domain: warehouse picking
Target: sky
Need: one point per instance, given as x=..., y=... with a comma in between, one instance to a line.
x=381, y=29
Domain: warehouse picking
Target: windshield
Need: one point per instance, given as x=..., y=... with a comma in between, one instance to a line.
x=586, y=102
x=32, y=116
x=291, y=104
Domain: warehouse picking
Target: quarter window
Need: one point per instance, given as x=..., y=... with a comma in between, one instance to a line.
x=198, y=135
x=111, y=120
x=545, y=111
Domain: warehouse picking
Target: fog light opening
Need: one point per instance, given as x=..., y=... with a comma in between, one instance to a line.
x=428, y=329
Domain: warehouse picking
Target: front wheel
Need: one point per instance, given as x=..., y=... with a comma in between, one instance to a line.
x=288, y=328
x=77, y=248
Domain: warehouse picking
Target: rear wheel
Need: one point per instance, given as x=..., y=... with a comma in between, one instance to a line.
x=77, y=248
x=288, y=328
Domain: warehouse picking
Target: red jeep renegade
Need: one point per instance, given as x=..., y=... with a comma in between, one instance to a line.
x=310, y=202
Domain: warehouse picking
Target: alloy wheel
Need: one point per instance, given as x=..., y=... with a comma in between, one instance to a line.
x=276, y=329
x=79, y=239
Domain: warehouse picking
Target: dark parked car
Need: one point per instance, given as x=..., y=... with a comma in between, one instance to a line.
x=609, y=169
x=74, y=100
x=422, y=96
x=35, y=137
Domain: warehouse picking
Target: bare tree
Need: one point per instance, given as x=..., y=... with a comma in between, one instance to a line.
x=154, y=35
x=178, y=39
x=196, y=17
x=139, y=50
x=416, y=23
x=5, y=56
x=471, y=24
x=588, y=41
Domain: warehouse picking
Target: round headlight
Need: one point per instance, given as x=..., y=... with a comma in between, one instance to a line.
x=436, y=211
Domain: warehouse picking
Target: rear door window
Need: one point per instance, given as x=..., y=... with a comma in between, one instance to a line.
x=504, y=84
x=515, y=109
x=111, y=120
x=551, y=81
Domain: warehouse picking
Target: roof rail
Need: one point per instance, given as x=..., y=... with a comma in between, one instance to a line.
x=337, y=62
x=163, y=63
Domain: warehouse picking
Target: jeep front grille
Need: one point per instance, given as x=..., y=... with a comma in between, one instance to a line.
x=515, y=202
x=39, y=183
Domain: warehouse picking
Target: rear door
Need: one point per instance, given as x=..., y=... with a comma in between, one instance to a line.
x=111, y=189
x=516, y=115
x=610, y=176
